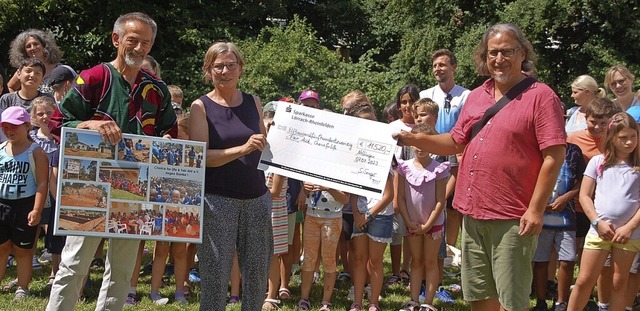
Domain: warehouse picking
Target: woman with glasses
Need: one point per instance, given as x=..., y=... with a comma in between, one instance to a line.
x=584, y=89
x=619, y=81
x=237, y=209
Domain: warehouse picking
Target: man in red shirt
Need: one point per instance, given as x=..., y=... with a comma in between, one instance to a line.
x=507, y=172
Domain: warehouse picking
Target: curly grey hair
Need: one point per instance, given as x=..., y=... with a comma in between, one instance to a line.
x=17, y=52
x=480, y=52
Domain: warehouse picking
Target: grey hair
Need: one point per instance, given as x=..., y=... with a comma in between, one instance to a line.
x=51, y=51
x=480, y=52
x=118, y=26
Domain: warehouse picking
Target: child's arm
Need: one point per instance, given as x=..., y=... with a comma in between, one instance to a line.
x=340, y=196
x=53, y=181
x=42, y=184
x=402, y=204
x=605, y=229
x=441, y=186
x=276, y=187
x=387, y=197
x=561, y=201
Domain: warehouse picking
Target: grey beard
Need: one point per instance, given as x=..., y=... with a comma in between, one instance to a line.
x=132, y=62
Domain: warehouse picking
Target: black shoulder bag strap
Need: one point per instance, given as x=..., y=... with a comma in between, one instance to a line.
x=506, y=98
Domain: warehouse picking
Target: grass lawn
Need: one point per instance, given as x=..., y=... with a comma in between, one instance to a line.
x=393, y=297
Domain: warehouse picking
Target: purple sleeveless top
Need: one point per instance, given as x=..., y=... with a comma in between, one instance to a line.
x=231, y=127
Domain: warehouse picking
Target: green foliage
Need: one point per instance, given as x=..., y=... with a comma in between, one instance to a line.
x=283, y=61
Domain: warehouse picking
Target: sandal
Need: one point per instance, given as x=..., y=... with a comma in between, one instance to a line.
x=404, y=276
x=10, y=286
x=233, y=300
x=355, y=307
x=410, y=306
x=49, y=284
x=187, y=291
x=271, y=304
x=303, y=304
x=284, y=293
x=373, y=307
x=325, y=306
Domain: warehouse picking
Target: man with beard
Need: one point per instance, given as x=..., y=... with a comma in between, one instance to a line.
x=112, y=98
x=507, y=173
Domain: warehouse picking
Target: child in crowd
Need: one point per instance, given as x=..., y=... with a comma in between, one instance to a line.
x=22, y=194
x=405, y=98
x=30, y=73
x=373, y=230
x=322, y=228
x=277, y=185
x=41, y=113
x=420, y=188
x=425, y=111
x=614, y=179
x=598, y=112
x=559, y=230
x=61, y=81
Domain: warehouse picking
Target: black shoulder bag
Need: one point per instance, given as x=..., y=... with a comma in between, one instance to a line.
x=506, y=98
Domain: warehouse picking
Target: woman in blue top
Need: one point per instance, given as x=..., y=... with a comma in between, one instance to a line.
x=237, y=210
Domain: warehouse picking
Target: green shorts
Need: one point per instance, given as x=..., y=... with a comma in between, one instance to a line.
x=496, y=262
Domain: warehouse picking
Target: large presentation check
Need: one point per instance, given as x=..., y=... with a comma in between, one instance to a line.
x=329, y=149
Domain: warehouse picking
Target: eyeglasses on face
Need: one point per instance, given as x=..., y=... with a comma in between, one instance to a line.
x=219, y=67
x=620, y=82
x=506, y=53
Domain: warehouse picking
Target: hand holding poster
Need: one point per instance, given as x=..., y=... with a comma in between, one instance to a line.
x=145, y=187
x=329, y=149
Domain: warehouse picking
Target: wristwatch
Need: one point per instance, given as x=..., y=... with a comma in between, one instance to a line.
x=595, y=222
x=368, y=215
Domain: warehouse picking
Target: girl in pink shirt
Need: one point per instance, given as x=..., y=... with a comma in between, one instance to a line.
x=420, y=190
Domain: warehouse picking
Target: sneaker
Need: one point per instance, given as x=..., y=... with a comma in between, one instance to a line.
x=560, y=306
x=194, y=276
x=21, y=293
x=35, y=265
x=602, y=307
x=10, y=261
x=541, y=305
x=132, y=300
x=444, y=295
x=46, y=256
x=161, y=301
x=146, y=269
x=182, y=300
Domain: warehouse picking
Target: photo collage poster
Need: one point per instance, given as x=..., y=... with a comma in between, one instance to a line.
x=144, y=187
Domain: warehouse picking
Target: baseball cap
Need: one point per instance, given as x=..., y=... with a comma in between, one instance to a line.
x=15, y=115
x=61, y=74
x=309, y=94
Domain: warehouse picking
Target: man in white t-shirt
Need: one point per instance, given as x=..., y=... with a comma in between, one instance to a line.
x=450, y=98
